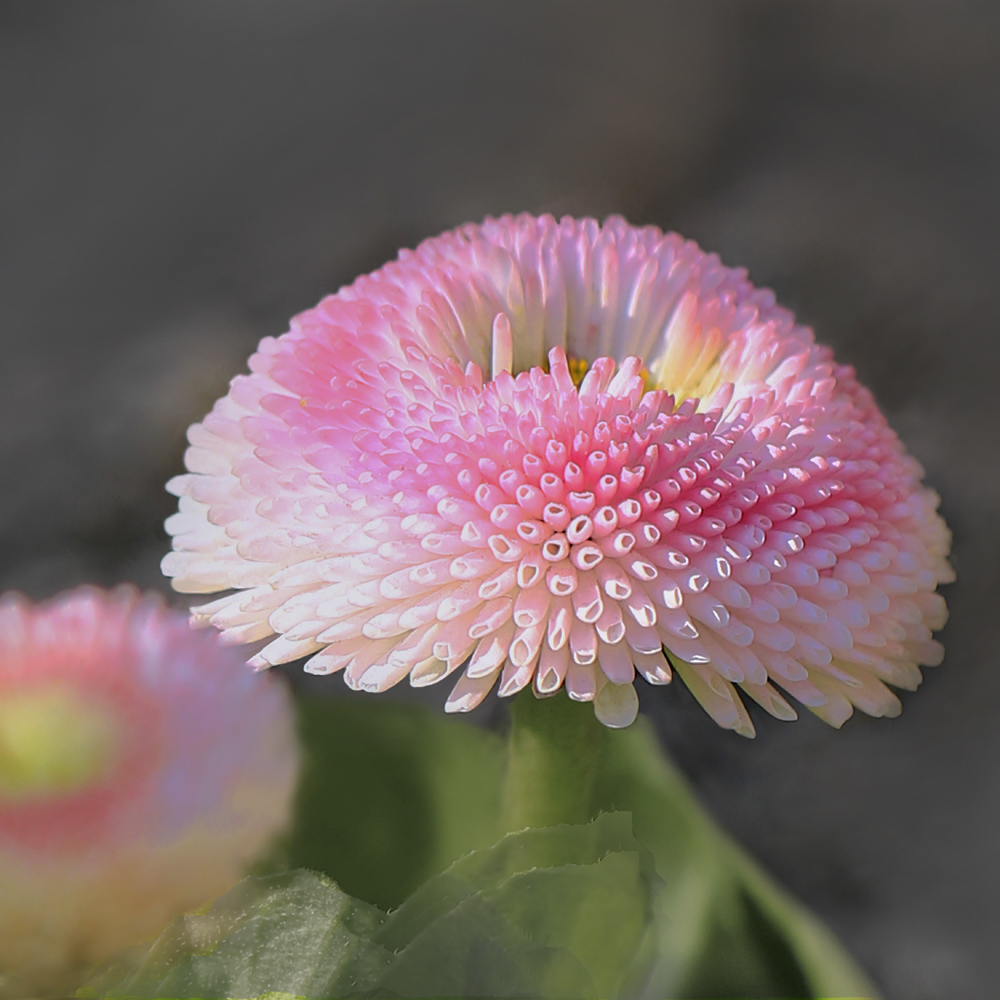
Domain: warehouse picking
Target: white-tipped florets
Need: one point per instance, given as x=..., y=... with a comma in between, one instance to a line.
x=663, y=473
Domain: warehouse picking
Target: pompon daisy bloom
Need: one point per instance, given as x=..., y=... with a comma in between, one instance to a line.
x=547, y=453
x=141, y=768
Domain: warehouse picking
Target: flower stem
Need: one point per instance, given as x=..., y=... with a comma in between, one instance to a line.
x=552, y=756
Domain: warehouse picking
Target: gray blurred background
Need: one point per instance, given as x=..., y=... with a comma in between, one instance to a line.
x=177, y=179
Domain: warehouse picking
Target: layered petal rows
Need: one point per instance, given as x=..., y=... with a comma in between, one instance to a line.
x=141, y=768
x=557, y=453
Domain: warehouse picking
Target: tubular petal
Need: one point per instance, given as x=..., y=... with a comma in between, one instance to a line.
x=569, y=443
x=142, y=768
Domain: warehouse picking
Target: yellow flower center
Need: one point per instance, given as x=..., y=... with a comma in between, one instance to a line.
x=694, y=363
x=53, y=741
x=578, y=367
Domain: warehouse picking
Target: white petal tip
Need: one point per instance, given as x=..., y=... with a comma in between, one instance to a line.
x=616, y=705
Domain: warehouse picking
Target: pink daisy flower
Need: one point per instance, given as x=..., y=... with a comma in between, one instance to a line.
x=141, y=768
x=556, y=454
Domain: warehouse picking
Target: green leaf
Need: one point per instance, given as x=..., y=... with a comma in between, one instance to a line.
x=473, y=950
x=722, y=928
x=294, y=934
x=395, y=793
x=391, y=794
x=647, y=901
x=598, y=913
x=566, y=908
x=557, y=912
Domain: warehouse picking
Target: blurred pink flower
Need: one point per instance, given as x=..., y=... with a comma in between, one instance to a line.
x=657, y=460
x=141, y=768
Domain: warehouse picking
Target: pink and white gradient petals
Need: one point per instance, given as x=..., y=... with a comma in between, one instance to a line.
x=199, y=779
x=415, y=481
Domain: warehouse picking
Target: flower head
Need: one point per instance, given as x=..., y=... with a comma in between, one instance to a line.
x=140, y=770
x=558, y=453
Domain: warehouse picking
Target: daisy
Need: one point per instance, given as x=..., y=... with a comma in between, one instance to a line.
x=141, y=769
x=558, y=454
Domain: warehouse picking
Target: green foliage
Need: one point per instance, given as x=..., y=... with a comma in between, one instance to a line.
x=647, y=900
x=721, y=927
x=390, y=795
x=565, y=909
x=291, y=934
